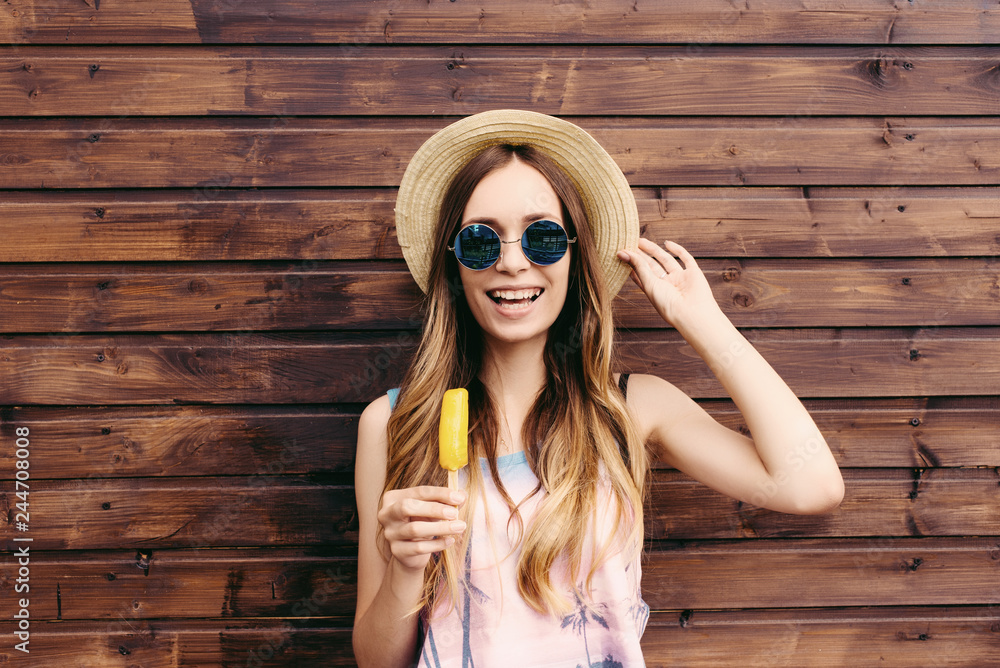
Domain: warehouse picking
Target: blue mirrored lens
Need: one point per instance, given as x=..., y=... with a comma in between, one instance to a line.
x=544, y=242
x=477, y=247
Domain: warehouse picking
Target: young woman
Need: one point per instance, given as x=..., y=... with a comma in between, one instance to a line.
x=520, y=229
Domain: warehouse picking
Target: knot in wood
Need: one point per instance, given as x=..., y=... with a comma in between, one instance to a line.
x=914, y=354
x=730, y=274
x=743, y=299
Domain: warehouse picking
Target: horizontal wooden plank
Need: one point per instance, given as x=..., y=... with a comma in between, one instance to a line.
x=127, y=643
x=891, y=636
x=190, y=584
x=250, y=367
x=267, y=510
x=355, y=23
x=877, y=502
x=174, y=441
x=311, y=295
x=153, y=513
x=205, y=154
x=885, y=636
x=595, y=80
x=185, y=584
x=814, y=573
x=217, y=224
x=835, y=363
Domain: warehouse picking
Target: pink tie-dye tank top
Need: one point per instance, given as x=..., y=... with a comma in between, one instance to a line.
x=494, y=627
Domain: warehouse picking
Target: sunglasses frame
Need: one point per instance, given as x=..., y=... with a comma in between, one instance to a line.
x=521, y=239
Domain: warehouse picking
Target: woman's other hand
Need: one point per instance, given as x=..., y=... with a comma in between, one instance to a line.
x=675, y=286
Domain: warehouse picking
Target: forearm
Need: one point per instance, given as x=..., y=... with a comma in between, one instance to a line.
x=386, y=634
x=790, y=446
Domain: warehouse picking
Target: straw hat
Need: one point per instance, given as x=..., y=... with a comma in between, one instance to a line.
x=607, y=197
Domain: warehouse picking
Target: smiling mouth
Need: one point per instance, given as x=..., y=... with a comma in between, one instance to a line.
x=515, y=298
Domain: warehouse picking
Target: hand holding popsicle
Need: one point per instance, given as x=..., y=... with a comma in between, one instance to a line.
x=453, y=437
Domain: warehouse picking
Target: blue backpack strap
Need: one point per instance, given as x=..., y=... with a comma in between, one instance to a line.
x=393, y=395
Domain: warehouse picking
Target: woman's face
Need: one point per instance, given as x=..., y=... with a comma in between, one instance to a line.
x=515, y=300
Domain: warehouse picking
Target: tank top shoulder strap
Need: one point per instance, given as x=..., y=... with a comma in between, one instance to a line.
x=393, y=395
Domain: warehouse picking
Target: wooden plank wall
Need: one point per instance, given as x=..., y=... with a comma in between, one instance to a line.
x=200, y=289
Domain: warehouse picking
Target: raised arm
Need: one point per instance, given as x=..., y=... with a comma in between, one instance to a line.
x=417, y=522
x=787, y=465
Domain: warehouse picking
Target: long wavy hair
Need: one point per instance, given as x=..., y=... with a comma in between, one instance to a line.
x=579, y=434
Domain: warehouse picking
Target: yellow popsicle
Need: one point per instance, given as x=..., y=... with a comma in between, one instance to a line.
x=453, y=435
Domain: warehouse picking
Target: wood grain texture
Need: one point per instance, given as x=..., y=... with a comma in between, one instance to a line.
x=827, y=638
x=345, y=224
x=312, y=295
x=889, y=636
x=154, y=513
x=877, y=502
x=318, y=582
x=353, y=24
x=625, y=81
x=845, y=572
x=177, y=441
x=206, y=154
x=302, y=367
x=143, y=583
x=270, y=510
x=207, y=643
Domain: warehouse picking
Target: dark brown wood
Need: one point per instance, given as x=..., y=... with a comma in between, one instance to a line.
x=353, y=24
x=288, y=582
x=154, y=513
x=877, y=502
x=208, y=643
x=919, y=432
x=835, y=363
x=183, y=440
x=232, y=440
x=721, y=80
x=312, y=295
x=279, y=510
x=889, y=636
x=813, y=573
x=215, y=224
x=251, y=367
x=826, y=638
x=144, y=583
x=209, y=223
x=205, y=154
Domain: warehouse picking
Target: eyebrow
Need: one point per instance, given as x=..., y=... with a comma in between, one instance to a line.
x=529, y=218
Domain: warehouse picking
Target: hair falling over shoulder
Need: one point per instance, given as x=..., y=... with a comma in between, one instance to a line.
x=581, y=436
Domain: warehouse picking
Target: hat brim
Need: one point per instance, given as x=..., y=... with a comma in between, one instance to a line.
x=604, y=190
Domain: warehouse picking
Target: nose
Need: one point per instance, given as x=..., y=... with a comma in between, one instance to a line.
x=512, y=259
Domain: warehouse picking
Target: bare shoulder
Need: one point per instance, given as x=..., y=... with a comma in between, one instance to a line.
x=372, y=441
x=657, y=403
x=374, y=418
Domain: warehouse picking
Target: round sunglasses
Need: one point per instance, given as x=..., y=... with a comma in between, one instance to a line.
x=478, y=246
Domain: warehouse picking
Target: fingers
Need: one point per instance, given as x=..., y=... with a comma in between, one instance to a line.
x=680, y=252
x=421, y=520
x=650, y=261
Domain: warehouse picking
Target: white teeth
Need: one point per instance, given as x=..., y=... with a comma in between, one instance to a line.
x=515, y=295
